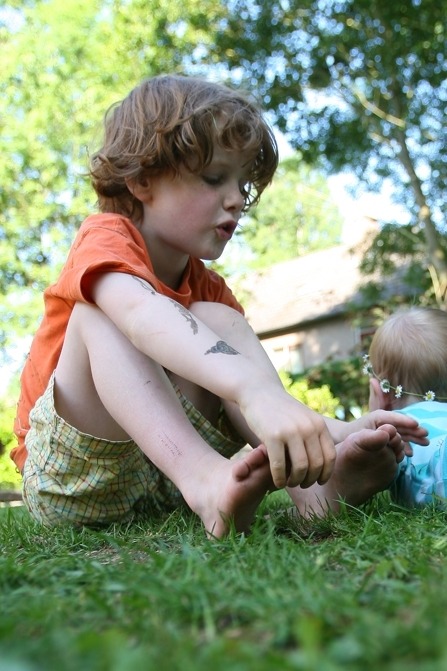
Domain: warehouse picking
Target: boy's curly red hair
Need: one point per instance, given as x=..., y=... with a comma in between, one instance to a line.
x=171, y=121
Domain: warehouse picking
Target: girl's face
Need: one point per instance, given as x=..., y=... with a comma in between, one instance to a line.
x=194, y=215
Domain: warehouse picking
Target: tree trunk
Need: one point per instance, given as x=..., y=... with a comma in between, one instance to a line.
x=435, y=256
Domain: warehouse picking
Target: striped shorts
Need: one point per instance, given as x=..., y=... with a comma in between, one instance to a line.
x=73, y=477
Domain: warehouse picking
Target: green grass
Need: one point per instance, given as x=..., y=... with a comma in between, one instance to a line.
x=366, y=591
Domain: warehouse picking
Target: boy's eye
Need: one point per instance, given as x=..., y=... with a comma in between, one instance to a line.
x=219, y=179
x=213, y=180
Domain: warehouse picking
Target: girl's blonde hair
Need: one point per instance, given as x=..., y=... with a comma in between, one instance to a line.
x=410, y=349
x=172, y=121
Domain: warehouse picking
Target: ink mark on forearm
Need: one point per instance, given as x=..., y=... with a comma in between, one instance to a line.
x=144, y=284
x=187, y=315
x=170, y=445
x=221, y=347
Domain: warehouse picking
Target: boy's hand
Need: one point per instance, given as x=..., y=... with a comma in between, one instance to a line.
x=300, y=448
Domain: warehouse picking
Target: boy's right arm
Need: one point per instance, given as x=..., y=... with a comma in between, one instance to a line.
x=300, y=448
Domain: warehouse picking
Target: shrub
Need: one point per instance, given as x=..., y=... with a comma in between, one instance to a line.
x=319, y=399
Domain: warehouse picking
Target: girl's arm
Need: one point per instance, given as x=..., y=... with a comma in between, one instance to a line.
x=407, y=427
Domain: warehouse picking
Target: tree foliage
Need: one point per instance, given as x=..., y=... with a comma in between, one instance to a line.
x=357, y=84
x=345, y=381
x=296, y=216
x=353, y=84
x=63, y=65
x=319, y=398
x=399, y=251
x=9, y=478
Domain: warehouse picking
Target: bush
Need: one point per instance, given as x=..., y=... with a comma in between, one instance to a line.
x=319, y=399
x=9, y=478
x=346, y=382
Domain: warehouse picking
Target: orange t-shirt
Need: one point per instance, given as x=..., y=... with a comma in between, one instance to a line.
x=104, y=243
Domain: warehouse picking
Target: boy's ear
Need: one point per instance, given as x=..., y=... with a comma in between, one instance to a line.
x=139, y=189
x=378, y=400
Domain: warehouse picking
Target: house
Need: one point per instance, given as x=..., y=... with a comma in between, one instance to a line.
x=302, y=309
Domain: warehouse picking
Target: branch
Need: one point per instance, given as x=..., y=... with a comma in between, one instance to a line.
x=439, y=286
x=377, y=111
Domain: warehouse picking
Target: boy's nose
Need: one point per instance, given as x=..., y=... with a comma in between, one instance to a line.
x=234, y=199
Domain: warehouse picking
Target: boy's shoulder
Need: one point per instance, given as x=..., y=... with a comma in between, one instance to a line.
x=107, y=226
x=107, y=220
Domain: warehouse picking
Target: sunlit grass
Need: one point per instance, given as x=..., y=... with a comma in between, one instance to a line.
x=366, y=590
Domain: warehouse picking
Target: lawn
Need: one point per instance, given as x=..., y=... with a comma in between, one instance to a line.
x=366, y=591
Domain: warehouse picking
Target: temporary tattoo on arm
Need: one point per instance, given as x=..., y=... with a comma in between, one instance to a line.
x=170, y=445
x=187, y=315
x=221, y=347
x=145, y=285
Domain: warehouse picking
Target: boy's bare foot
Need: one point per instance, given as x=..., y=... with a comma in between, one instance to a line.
x=237, y=488
x=365, y=465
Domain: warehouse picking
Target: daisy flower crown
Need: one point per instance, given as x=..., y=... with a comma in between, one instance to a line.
x=386, y=386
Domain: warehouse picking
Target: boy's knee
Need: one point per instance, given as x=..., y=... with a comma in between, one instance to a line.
x=216, y=315
x=86, y=322
x=83, y=311
x=86, y=314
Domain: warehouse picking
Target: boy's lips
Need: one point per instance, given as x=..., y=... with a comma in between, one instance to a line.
x=226, y=230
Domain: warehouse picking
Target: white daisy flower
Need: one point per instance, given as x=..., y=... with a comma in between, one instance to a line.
x=385, y=386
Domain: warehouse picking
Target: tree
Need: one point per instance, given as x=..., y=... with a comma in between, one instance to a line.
x=358, y=85
x=296, y=216
x=63, y=65
x=399, y=250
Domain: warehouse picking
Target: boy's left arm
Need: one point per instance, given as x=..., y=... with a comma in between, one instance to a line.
x=407, y=427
